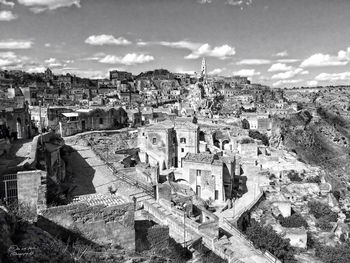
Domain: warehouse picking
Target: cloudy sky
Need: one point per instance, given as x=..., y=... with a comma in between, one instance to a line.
x=274, y=42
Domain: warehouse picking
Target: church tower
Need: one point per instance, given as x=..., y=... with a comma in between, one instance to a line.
x=204, y=68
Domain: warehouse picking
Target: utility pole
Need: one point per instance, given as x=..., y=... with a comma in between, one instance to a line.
x=40, y=125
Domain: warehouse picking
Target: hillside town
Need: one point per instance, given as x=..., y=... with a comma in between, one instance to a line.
x=135, y=161
x=173, y=131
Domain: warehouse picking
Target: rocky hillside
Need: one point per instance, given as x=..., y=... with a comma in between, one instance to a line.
x=322, y=139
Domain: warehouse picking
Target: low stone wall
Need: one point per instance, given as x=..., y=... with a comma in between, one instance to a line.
x=100, y=224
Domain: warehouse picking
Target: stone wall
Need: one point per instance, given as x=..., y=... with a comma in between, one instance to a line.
x=100, y=224
x=31, y=188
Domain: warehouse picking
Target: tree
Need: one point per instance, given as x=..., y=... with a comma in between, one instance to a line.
x=257, y=135
x=319, y=210
x=295, y=220
x=266, y=238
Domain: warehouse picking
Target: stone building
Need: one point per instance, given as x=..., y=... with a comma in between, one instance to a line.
x=167, y=143
x=92, y=119
x=209, y=175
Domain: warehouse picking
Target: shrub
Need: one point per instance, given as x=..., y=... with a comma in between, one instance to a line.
x=339, y=254
x=266, y=238
x=294, y=176
x=257, y=135
x=295, y=220
x=319, y=210
x=313, y=179
x=324, y=224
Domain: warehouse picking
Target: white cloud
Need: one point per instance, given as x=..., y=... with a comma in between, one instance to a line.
x=181, y=44
x=142, y=43
x=92, y=74
x=204, y=1
x=323, y=60
x=47, y=45
x=7, y=3
x=216, y=71
x=288, y=60
x=36, y=69
x=246, y=73
x=240, y=3
x=54, y=63
x=190, y=72
x=38, y=6
x=333, y=76
x=279, y=67
x=7, y=15
x=282, y=54
x=290, y=74
x=312, y=83
x=15, y=44
x=100, y=40
x=128, y=59
x=254, y=62
x=220, y=52
x=284, y=82
x=201, y=50
x=9, y=59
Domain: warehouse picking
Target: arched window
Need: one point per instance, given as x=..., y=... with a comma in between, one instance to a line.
x=182, y=140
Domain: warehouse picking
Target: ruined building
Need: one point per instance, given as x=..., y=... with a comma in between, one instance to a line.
x=167, y=143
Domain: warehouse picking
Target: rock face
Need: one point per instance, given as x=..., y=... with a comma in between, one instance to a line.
x=321, y=138
x=23, y=242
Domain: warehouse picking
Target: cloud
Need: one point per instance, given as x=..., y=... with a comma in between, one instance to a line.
x=38, y=6
x=201, y=50
x=220, y=52
x=288, y=60
x=279, y=67
x=15, y=44
x=333, y=76
x=128, y=59
x=312, y=83
x=323, y=60
x=47, y=45
x=181, y=44
x=7, y=15
x=284, y=82
x=254, y=62
x=216, y=71
x=100, y=40
x=54, y=63
x=9, y=59
x=282, y=54
x=240, y=3
x=7, y=3
x=36, y=69
x=290, y=74
x=92, y=74
x=204, y=1
x=246, y=73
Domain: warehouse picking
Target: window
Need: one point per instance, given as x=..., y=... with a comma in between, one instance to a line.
x=182, y=140
x=199, y=172
x=182, y=150
x=154, y=140
x=216, y=194
x=101, y=120
x=143, y=134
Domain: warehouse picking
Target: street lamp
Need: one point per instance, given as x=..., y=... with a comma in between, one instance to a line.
x=184, y=206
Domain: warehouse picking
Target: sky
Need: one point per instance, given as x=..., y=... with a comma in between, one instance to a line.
x=281, y=43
